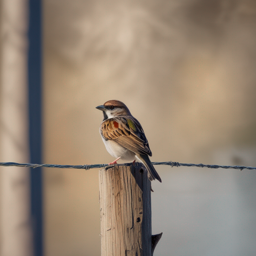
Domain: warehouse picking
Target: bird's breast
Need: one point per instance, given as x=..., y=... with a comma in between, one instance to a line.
x=115, y=150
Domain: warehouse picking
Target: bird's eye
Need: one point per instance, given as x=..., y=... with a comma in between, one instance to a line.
x=111, y=107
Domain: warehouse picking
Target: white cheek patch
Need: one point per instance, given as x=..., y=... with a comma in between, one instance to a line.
x=109, y=113
x=113, y=113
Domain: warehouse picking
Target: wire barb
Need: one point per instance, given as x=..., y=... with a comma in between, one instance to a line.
x=97, y=166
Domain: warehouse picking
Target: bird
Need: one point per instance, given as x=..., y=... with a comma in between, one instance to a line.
x=124, y=137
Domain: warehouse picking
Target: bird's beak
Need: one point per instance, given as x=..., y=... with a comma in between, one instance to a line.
x=101, y=107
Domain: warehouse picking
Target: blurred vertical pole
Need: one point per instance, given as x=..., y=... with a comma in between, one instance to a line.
x=15, y=210
x=35, y=120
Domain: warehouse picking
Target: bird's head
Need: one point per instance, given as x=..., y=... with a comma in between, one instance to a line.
x=114, y=108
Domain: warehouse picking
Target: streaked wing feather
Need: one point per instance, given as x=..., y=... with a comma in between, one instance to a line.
x=130, y=136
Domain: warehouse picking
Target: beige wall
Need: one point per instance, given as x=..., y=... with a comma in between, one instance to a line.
x=15, y=221
x=186, y=69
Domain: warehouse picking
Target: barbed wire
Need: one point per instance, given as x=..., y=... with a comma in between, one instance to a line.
x=97, y=166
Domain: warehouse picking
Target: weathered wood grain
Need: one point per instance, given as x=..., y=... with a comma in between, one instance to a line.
x=125, y=209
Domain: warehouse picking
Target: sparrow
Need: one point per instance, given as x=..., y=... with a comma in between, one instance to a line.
x=124, y=137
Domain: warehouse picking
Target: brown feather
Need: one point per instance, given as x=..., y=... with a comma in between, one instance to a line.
x=125, y=136
x=115, y=103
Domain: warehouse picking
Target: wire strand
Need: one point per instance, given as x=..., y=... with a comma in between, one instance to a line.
x=94, y=166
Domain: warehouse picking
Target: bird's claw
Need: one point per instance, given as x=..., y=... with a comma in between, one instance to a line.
x=115, y=162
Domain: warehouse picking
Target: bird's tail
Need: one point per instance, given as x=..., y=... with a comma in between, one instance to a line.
x=152, y=173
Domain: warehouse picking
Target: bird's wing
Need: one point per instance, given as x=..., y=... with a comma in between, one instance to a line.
x=127, y=132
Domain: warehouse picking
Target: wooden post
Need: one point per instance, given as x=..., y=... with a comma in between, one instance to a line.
x=125, y=209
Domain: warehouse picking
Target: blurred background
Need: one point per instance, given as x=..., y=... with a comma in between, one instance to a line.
x=186, y=70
